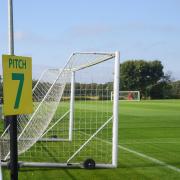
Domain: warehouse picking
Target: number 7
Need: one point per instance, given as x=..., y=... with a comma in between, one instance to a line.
x=20, y=77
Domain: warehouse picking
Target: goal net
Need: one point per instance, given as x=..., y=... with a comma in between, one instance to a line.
x=74, y=119
x=127, y=95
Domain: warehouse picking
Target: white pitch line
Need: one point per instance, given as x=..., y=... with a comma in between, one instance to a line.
x=145, y=157
x=141, y=155
x=150, y=158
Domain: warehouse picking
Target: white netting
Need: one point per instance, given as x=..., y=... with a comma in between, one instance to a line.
x=47, y=94
x=93, y=108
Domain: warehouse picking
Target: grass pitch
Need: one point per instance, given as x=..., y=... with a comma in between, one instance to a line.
x=149, y=146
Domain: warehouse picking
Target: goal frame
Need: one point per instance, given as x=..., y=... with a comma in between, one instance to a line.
x=114, y=119
x=138, y=92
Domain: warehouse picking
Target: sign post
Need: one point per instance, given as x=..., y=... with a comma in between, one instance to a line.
x=17, y=73
x=12, y=120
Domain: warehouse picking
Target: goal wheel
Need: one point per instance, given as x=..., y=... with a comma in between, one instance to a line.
x=89, y=164
x=54, y=136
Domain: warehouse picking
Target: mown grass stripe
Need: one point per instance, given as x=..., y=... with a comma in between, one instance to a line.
x=150, y=158
x=146, y=157
x=141, y=155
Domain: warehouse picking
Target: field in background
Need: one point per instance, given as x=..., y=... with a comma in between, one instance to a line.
x=149, y=146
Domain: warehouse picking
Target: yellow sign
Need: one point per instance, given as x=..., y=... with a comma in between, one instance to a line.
x=17, y=85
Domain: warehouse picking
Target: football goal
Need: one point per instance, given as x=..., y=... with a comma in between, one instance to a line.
x=75, y=123
x=127, y=95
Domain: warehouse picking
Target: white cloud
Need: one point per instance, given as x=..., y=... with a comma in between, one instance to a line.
x=90, y=30
x=140, y=26
x=19, y=35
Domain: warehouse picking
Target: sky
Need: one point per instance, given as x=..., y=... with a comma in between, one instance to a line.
x=50, y=31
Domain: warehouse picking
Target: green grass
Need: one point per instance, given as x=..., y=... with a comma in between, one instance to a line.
x=148, y=127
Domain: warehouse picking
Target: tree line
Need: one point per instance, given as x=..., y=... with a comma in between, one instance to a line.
x=149, y=78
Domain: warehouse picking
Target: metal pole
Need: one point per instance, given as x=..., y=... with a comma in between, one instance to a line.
x=13, y=147
x=115, y=111
x=10, y=27
x=71, y=117
x=12, y=119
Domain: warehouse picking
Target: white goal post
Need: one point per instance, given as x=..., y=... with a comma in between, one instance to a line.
x=74, y=123
x=127, y=96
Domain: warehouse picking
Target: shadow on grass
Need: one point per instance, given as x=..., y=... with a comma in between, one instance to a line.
x=50, y=169
x=50, y=154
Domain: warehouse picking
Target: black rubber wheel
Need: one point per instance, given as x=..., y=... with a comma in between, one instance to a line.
x=89, y=164
x=54, y=136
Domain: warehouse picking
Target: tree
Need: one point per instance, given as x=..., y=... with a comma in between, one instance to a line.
x=140, y=74
x=175, y=91
x=161, y=90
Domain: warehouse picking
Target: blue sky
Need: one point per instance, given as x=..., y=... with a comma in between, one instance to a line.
x=50, y=31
